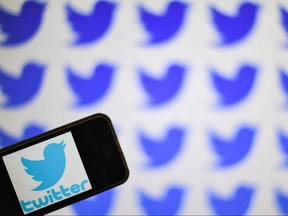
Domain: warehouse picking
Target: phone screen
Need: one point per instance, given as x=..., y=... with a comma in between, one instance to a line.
x=47, y=172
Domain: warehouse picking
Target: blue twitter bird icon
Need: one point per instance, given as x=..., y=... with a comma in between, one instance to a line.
x=232, y=151
x=91, y=27
x=235, y=28
x=284, y=20
x=237, y=204
x=29, y=131
x=97, y=205
x=284, y=83
x=169, y=204
x=282, y=201
x=283, y=143
x=20, y=90
x=49, y=170
x=92, y=89
x=165, y=26
x=21, y=27
x=163, y=89
x=163, y=150
x=233, y=91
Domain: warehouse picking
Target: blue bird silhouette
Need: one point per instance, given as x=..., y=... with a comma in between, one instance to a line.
x=232, y=151
x=20, y=90
x=29, y=131
x=91, y=27
x=283, y=143
x=163, y=89
x=232, y=91
x=97, y=205
x=284, y=82
x=21, y=27
x=49, y=170
x=284, y=19
x=163, y=150
x=169, y=204
x=235, y=28
x=282, y=201
x=237, y=204
x=163, y=27
x=92, y=89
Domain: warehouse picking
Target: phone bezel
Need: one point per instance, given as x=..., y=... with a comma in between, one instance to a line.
x=107, y=153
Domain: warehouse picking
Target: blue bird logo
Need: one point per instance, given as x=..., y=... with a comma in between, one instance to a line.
x=161, y=151
x=91, y=27
x=29, y=131
x=283, y=143
x=49, y=170
x=233, y=29
x=163, y=89
x=284, y=83
x=237, y=204
x=233, y=91
x=233, y=150
x=92, y=89
x=282, y=201
x=284, y=20
x=20, y=90
x=96, y=205
x=169, y=204
x=21, y=27
x=165, y=26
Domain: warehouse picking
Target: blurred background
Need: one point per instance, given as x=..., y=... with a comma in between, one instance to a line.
x=197, y=92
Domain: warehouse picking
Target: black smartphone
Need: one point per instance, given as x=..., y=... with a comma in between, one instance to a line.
x=60, y=167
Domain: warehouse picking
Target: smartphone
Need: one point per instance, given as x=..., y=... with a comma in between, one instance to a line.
x=60, y=167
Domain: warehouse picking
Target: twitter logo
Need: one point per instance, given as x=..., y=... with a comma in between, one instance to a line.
x=283, y=142
x=165, y=26
x=169, y=204
x=232, y=91
x=92, y=89
x=96, y=205
x=49, y=170
x=237, y=204
x=233, y=29
x=162, y=150
x=19, y=28
x=163, y=89
x=29, y=131
x=20, y=90
x=282, y=201
x=284, y=19
x=91, y=27
x=232, y=151
x=284, y=82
